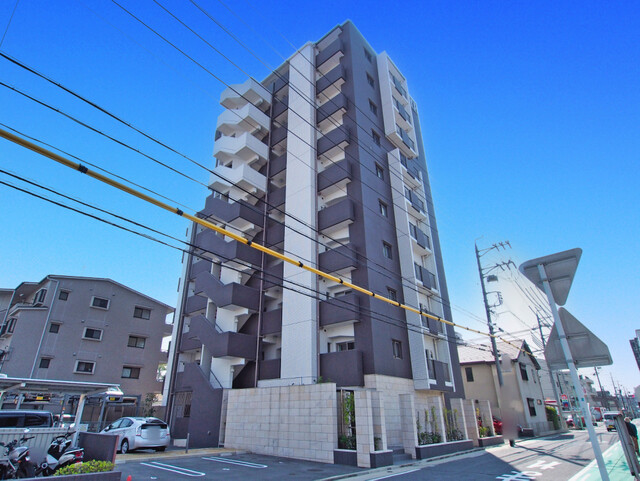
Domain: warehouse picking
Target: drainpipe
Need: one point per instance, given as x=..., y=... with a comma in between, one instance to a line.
x=44, y=328
x=263, y=259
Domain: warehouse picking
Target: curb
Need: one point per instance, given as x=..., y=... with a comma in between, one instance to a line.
x=137, y=457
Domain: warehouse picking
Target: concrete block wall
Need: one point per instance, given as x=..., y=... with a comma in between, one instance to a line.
x=364, y=427
x=291, y=421
x=379, y=419
x=408, y=422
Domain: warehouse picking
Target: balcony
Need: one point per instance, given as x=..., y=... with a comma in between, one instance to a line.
x=195, y=304
x=225, y=295
x=280, y=106
x=410, y=172
x=421, y=238
x=247, y=119
x=398, y=85
x=277, y=198
x=435, y=327
x=415, y=201
x=344, y=308
x=215, y=244
x=330, y=114
x=272, y=322
x=243, y=176
x=279, y=135
x=222, y=344
x=273, y=275
x=244, y=146
x=334, y=141
x=336, y=217
x=330, y=56
x=343, y=367
x=339, y=259
x=275, y=233
x=440, y=371
x=198, y=267
x=269, y=369
x=427, y=278
x=251, y=91
x=330, y=83
x=234, y=213
x=334, y=177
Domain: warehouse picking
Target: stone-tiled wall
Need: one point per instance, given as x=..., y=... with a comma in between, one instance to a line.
x=391, y=389
x=292, y=421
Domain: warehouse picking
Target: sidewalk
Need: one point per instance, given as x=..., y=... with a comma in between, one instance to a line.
x=175, y=453
x=615, y=462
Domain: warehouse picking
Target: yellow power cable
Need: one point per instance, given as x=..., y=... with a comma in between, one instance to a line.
x=102, y=178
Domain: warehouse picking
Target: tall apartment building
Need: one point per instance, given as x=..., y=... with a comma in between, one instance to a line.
x=322, y=161
x=83, y=329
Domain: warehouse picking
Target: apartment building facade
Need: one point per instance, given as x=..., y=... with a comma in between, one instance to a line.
x=323, y=161
x=84, y=329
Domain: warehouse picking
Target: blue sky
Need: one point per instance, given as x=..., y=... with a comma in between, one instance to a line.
x=530, y=115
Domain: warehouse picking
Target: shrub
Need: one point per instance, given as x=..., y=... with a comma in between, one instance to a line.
x=92, y=466
x=484, y=432
x=552, y=415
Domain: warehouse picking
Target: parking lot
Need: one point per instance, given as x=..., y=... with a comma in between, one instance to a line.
x=233, y=467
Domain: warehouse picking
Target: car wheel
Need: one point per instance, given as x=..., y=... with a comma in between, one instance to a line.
x=160, y=448
x=124, y=447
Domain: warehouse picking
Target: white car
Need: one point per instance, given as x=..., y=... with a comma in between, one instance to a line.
x=139, y=433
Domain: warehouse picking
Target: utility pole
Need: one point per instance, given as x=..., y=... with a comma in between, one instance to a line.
x=553, y=384
x=494, y=346
x=603, y=399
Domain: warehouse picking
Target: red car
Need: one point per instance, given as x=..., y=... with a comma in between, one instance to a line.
x=497, y=426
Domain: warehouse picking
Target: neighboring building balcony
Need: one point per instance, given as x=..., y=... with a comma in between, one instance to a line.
x=427, y=278
x=334, y=141
x=222, y=344
x=238, y=213
x=215, y=244
x=439, y=371
x=339, y=309
x=244, y=146
x=338, y=260
x=342, y=367
x=330, y=83
x=330, y=114
x=335, y=177
x=250, y=91
x=333, y=218
x=225, y=295
x=242, y=176
x=195, y=304
x=269, y=369
x=246, y=119
x=330, y=56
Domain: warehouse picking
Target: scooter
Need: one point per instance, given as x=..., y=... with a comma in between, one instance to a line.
x=59, y=455
x=18, y=463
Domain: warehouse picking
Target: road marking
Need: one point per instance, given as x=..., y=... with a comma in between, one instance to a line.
x=238, y=463
x=397, y=474
x=544, y=465
x=173, y=469
x=519, y=476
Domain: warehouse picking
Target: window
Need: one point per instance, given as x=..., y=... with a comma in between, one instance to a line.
x=54, y=328
x=135, y=341
x=85, y=367
x=469, y=372
x=397, y=349
x=386, y=250
x=374, y=108
x=93, y=334
x=370, y=80
x=64, y=295
x=12, y=324
x=142, y=313
x=39, y=297
x=129, y=372
x=413, y=230
x=183, y=404
x=345, y=346
x=376, y=137
x=44, y=363
x=523, y=372
x=100, y=303
x=392, y=294
x=379, y=171
x=532, y=406
x=368, y=55
x=383, y=208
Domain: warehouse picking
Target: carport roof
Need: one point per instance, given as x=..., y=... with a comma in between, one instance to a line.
x=28, y=385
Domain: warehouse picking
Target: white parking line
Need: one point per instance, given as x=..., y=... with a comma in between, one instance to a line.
x=397, y=474
x=173, y=469
x=238, y=462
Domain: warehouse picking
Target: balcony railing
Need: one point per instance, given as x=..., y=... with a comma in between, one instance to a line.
x=343, y=367
x=340, y=309
x=423, y=275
